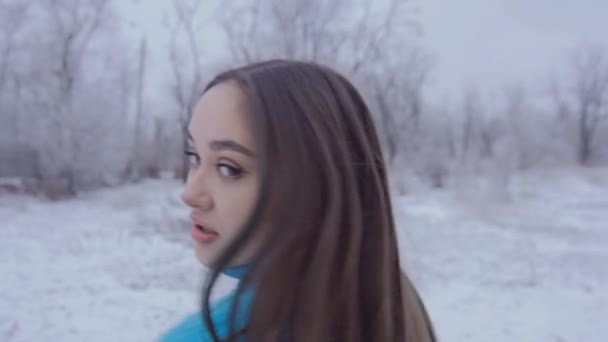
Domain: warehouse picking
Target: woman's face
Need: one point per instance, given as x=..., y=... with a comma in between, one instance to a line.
x=222, y=185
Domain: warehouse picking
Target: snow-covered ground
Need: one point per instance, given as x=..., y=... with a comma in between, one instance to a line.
x=117, y=264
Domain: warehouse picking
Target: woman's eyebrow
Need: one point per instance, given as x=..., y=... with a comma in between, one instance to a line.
x=230, y=145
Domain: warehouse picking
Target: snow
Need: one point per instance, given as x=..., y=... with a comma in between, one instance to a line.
x=533, y=268
x=117, y=265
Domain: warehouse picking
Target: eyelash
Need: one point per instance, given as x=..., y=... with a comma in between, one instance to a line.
x=190, y=154
x=234, y=172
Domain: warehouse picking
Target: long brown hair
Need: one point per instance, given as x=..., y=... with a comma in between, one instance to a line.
x=330, y=269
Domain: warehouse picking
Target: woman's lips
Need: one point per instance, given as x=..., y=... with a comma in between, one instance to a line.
x=203, y=235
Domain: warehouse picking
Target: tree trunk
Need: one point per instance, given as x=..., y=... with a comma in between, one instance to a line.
x=135, y=163
x=584, y=143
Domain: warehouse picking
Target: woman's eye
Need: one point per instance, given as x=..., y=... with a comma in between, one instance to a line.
x=193, y=159
x=229, y=171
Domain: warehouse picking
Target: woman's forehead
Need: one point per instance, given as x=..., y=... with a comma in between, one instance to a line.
x=222, y=113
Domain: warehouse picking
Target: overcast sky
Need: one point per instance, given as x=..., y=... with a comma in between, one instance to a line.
x=493, y=42
x=486, y=43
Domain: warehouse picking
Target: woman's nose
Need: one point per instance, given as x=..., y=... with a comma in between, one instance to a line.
x=196, y=194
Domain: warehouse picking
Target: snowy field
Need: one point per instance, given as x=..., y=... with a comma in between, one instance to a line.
x=528, y=265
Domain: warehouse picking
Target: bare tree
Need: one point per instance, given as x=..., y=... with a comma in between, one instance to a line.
x=481, y=129
x=584, y=97
x=517, y=113
x=591, y=88
x=12, y=16
x=74, y=24
x=490, y=133
x=133, y=168
x=344, y=33
x=12, y=19
x=398, y=101
x=71, y=109
x=186, y=61
x=370, y=42
x=472, y=111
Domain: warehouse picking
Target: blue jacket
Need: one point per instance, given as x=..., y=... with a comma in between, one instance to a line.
x=193, y=327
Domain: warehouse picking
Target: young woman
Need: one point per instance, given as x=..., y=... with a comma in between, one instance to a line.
x=288, y=193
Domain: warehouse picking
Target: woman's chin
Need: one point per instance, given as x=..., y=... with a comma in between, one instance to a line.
x=206, y=255
x=202, y=255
